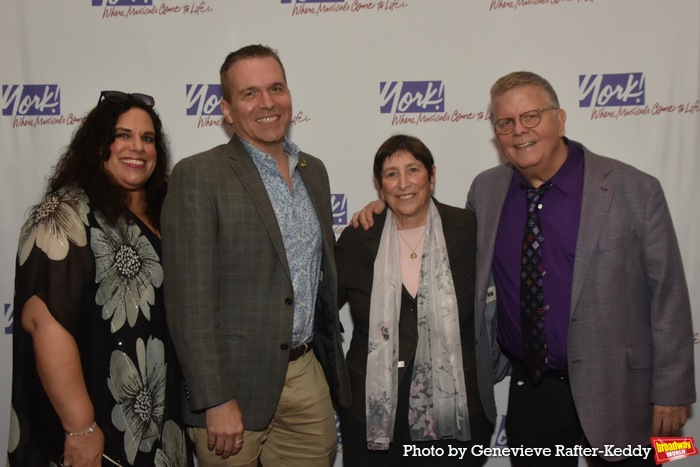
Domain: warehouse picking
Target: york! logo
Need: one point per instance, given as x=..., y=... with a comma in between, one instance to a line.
x=412, y=96
x=339, y=203
x=31, y=99
x=122, y=2
x=611, y=90
x=8, y=318
x=204, y=99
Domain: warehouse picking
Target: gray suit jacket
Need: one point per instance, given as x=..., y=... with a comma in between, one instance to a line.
x=228, y=289
x=630, y=333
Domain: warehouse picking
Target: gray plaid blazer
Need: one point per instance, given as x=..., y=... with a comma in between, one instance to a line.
x=228, y=289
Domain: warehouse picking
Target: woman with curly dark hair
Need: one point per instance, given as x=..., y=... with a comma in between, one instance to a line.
x=95, y=377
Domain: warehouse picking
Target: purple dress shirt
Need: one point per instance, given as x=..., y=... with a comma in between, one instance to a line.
x=559, y=217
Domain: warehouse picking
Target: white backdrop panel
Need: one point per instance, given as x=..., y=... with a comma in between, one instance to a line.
x=336, y=54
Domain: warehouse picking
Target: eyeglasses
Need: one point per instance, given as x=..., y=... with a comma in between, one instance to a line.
x=530, y=119
x=118, y=96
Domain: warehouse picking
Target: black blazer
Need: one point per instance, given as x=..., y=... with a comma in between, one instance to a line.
x=356, y=251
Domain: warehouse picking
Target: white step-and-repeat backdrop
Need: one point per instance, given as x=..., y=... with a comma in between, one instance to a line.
x=627, y=73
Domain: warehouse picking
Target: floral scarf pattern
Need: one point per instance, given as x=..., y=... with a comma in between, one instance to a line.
x=438, y=395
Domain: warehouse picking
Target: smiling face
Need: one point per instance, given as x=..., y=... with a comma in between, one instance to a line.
x=537, y=153
x=260, y=107
x=132, y=156
x=406, y=187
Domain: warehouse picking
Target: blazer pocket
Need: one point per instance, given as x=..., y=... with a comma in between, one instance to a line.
x=639, y=358
x=618, y=241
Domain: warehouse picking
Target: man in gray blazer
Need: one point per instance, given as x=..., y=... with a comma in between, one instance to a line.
x=250, y=289
x=617, y=335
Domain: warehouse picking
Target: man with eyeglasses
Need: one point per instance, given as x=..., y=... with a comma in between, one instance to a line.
x=592, y=303
x=612, y=323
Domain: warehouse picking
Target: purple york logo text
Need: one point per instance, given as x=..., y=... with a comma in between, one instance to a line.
x=8, y=318
x=31, y=99
x=204, y=99
x=339, y=203
x=500, y=439
x=313, y=1
x=611, y=90
x=412, y=96
x=122, y=2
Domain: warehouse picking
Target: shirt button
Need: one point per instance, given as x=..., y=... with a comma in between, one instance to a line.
x=284, y=347
x=288, y=301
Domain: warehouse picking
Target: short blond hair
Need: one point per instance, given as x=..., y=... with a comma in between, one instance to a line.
x=519, y=79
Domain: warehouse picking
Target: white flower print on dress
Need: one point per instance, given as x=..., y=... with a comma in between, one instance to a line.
x=140, y=395
x=14, y=431
x=59, y=220
x=173, y=453
x=128, y=270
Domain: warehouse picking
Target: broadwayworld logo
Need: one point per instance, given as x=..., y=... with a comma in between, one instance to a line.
x=31, y=100
x=412, y=96
x=669, y=449
x=612, y=90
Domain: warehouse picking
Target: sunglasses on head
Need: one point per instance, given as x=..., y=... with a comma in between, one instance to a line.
x=118, y=96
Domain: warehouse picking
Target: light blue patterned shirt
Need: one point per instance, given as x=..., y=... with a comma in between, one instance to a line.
x=301, y=233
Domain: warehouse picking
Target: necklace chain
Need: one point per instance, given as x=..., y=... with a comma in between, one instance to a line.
x=413, y=254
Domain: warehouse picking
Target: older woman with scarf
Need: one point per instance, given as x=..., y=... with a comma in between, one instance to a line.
x=413, y=362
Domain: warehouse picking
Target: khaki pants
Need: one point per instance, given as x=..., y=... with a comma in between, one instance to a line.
x=302, y=432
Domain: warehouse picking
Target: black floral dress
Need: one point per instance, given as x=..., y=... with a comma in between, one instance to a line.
x=103, y=283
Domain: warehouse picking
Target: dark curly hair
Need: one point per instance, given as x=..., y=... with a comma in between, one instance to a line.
x=82, y=162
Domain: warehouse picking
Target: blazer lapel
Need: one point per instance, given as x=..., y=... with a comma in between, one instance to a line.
x=488, y=218
x=598, y=189
x=244, y=167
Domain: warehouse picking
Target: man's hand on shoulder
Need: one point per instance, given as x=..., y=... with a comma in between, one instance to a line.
x=366, y=216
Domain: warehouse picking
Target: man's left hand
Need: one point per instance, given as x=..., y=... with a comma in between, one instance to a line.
x=669, y=419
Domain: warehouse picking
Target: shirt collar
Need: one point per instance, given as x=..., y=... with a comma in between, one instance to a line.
x=565, y=180
x=291, y=149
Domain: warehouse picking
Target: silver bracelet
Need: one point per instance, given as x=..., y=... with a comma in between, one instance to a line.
x=87, y=432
